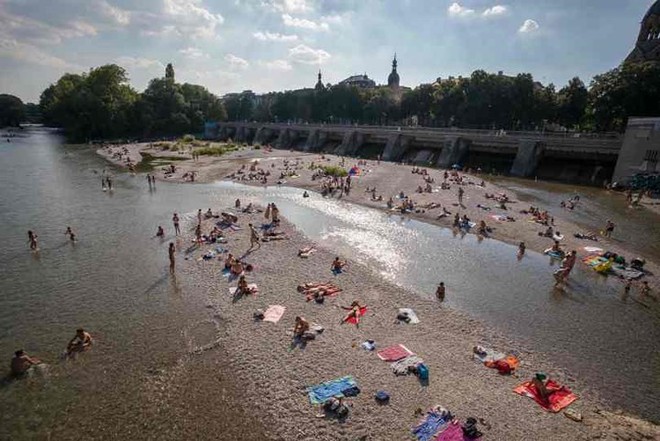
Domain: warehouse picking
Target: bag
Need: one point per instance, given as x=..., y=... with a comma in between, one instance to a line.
x=382, y=397
x=470, y=429
x=403, y=317
x=423, y=371
x=351, y=391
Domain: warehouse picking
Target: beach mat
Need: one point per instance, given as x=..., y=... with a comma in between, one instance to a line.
x=432, y=423
x=253, y=287
x=321, y=393
x=394, y=353
x=353, y=320
x=488, y=354
x=413, y=317
x=274, y=313
x=560, y=397
x=453, y=432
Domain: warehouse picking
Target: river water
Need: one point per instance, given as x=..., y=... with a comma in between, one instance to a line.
x=114, y=282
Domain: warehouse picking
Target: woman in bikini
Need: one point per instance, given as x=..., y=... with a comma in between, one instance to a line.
x=355, y=311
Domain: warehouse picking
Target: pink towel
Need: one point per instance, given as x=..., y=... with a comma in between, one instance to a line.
x=394, y=353
x=453, y=432
x=274, y=313
x=560, y=396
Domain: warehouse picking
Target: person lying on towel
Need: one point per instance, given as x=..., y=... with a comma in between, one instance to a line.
x=540, y=382
x=355, y=311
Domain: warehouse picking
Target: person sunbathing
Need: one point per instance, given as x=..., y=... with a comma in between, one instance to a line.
x=229, y=261
x=237, y=268
x=306, y=252
x=540, y=382
x=81, y=342
x=300, y=327
x=355, y=311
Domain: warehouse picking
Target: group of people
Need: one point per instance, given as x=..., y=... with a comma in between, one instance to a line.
x=22, y=363
x=34, y=244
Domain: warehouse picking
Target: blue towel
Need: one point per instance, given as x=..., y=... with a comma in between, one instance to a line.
x=321, y=393
x=433, y=423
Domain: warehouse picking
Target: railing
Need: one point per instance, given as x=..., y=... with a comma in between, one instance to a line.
x=610, y=136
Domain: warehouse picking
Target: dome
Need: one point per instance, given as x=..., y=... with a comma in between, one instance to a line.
x=654, y=9
x=393, y=79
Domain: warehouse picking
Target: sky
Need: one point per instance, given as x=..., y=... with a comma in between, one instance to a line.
x=272, y=45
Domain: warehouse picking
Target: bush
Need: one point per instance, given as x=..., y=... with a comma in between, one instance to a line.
x=188, y=138
x=334, y=170
x=212, y=151
x=175, y=148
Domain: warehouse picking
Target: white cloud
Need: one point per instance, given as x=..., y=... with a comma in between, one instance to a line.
x=304, y=23
x=193, y=53
x=139, y=63
x=31, y=31
x=529, y=26
x=306, y=55
x=236, y=62
x=28, y=53
x=187, y=18
x=298, y=6
x=119, y=16
x=456, y=10
x=268, y=36
x=281, y=65
x=495, y=11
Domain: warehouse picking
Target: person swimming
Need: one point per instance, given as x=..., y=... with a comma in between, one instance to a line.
x=160, y=232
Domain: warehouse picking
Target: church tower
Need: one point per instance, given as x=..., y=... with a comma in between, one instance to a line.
x=319, y=83
x=647, y=47
x=393, y=78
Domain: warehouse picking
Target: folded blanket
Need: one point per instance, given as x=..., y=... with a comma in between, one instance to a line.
x=402, y=367
x=321, y=393
x=559, y=398
x=274, y=313
x=252, y=286
x=410, y=313
x=394, y=353
x=432, y=423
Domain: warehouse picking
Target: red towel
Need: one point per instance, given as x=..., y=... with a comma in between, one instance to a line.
x=362, y=312
x=394, y=353
x=559, y=398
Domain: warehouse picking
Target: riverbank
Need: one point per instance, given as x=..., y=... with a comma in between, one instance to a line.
x=389, y=179
x=274, y=376
x=276, y=379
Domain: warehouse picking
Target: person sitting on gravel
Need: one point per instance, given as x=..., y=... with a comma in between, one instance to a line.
x=237, y=268
x=229, y=261
x=300, y=327
x=337, y=265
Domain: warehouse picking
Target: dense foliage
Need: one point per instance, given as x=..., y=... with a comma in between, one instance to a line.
x=101, y=105
x=12, y=110
x=483, y=100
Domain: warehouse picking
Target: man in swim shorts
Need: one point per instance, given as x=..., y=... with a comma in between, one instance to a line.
x=22, y=362
x=80, y=342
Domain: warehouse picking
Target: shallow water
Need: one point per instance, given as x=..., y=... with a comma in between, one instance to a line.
x=115, y=282
x=595, y=207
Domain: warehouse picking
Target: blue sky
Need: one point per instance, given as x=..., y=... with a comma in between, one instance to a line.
x=264, y=45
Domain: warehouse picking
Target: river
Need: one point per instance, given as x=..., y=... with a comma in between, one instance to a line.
x=114, y=282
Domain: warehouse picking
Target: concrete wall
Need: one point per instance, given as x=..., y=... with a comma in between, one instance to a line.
x=640, y=152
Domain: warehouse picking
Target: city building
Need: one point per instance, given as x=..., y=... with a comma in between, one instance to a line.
x=393, y=78
x=359, y=81
x=647, y=47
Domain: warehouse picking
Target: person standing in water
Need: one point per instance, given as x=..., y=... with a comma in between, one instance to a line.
x=460, y=195
x=171, y=251
x=70, y=233
x=199, y=216
x=440, y=292
x=109, y=181
x=609, y=227
x=32, y=240
x=175, y=221
x=521, y=249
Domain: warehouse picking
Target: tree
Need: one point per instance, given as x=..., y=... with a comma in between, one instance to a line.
x=632, y=89
x=572, y=102
x=12, y=110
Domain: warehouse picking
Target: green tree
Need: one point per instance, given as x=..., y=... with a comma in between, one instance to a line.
x=12, y=110
x=571, y=103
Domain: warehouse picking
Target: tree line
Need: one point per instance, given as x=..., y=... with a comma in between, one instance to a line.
x=483, y=100
x=100, y=104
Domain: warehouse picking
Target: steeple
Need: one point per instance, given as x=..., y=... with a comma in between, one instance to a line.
x=393, y=78
x=319, y=83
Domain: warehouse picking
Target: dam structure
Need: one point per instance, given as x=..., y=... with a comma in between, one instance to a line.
x=569, y=157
